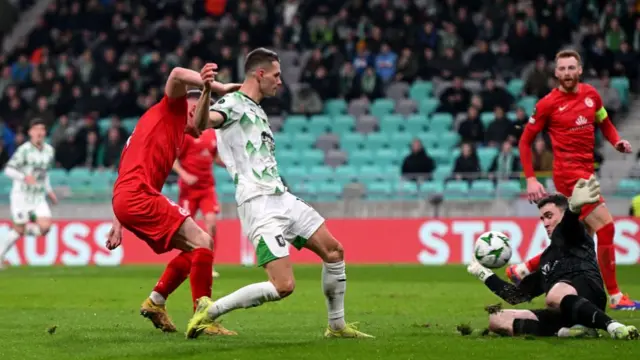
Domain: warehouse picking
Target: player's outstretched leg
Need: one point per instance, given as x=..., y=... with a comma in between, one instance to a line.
x=599, y=220
x=334, y=282
x=154, y=307
x=210, y=224
x=5, y=244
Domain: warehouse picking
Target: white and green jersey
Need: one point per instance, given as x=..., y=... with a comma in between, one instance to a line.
x=29, y=160
x=247, y=148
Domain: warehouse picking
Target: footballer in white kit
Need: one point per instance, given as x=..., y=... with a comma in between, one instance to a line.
x=28, y=168
x=271, y=217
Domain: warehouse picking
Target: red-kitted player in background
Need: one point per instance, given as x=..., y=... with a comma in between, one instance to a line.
x=570, y=113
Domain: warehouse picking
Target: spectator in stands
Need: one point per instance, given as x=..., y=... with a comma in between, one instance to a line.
x=427, y=69
x=428, y=36
x=519, y=123
x=362, y=60
x=306, y=101
x=385, y=63
x=467, y=165
x=542, y=156
x=537, y=80
x=67, y=155
x=368, y=85
x=42, y=111
x=314, y=62
x=418, y=165
x=20, y=139
x=112, y=149
x=500, y=129
x=626, y=63
x=472, y=129
x=481, y=62
x=21, y=69
x=506, y=164
x=450, y=65
x=615, y=35
x=89, y=158
x=495, y=96
x=600, y=58
x=4, y=154
x=455, y=99
x=407, y=69
x=505, y=66
x=279, y=104
x=610, y=96
x=60, y=131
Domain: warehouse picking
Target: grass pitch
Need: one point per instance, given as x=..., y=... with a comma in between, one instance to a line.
x=413, y=311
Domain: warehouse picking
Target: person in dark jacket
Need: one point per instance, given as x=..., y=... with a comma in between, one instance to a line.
x=467, y=165
x=418, y=165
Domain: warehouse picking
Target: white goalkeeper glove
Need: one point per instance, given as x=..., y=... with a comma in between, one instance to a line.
x=476, y=269
x=585, y=192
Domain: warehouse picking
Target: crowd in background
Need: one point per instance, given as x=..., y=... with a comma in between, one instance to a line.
x=87, y=60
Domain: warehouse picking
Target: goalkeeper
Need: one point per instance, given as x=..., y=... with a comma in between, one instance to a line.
x=568, y=275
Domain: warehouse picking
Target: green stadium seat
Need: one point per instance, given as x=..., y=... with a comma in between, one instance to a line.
x=621, y=84
x=406, y=190
x=376, y=140
x=420, y=90
x=361, y=157
x=508, y=189
x=429, y=140
x=329, y=191
x=628, y=187
x=442, y=172
x=226, y=189
x=369, y=172
x=303, y=141
x=381, y=107
x=343, y=124
x=389, y=156
x=391, y=123
x=312, y=157
x=79, y=175
x=335, y=107
x=352, y=141
x=482, y=190
x=515, y=87
x=296, y=174
x=441, y=122
x=345, y=174
x=295, y=124
x=456, y=190
x=379, y=190
x=448, y=140
x=220, y=173
x=429, y=188
x=57, y=176
x=401, y=140
x=319, y=124
x=528, y=103
x=486, y=155
x=487, y=118
x=309, y=190
x=103, y=125
x=428, y=106
x=441, y=156
x=283, y=140
x=288, y=158
x=321, y=172
x=511, y=115
x=416, y=123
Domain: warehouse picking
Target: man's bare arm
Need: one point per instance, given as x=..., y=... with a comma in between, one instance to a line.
x=178, y=81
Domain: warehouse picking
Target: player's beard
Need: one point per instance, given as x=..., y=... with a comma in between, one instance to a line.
x=569, y=83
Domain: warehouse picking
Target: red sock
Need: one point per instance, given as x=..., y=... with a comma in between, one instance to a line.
x=200, y=277
x=175, y=274
x=533, y=264
x=607, y=257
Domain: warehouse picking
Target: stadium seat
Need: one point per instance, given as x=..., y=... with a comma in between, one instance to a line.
x=621, y=84
x=391, y=123
x=379, y=190
x=482, y=190
x=226, y=191
x=295, y=124
x=343, y=124
x=407, y=190
x=312, y=157
x=376, y=141
x=441, y=156
x=319, y=124
x=370, y=172
x=429, y=188
x=401, y=140
x=303, y=141
x=511, y=115
x=288, y=158
x=321, y=172
x=486, y=155
x=448, y=140
x=428, y=106
x=129, y=124
x=335, y=107
x=456, y=190
x=79, y=175
x=528, y=103
x=351, y=142
x=329, y=191
x=416, y=123
x=283, y=140
x=345, y=174
x=487, y=118
x=420, y=90
x=515, y=87
x=308, y=190
x=57, y=177
x=361, y=157
x=381, y=107
x=220, y=173
x=429, y=140
x=390, y=156
x=628, y=187
x=441, y=122
x=508, y=189
x=103, y=125
x=296, y=174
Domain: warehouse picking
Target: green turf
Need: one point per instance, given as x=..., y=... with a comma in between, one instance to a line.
x=413, y=311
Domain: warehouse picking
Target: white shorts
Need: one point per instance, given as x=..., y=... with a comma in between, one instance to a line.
x=271, y=222
x=21, y=209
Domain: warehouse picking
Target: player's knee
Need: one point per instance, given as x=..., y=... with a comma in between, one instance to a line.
x=334, y=252
x=285, y=286
x=501, y=323
x=44, y=229
x=557, y=293
x=203, y=241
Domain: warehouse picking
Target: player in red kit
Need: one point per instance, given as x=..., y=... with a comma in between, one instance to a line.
x=570, y=113
x=140, y=207
x=196, y=183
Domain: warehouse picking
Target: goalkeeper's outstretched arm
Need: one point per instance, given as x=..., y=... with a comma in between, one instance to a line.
x=527, y=290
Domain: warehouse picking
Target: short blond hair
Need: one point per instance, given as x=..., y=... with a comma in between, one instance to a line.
x=564, y=54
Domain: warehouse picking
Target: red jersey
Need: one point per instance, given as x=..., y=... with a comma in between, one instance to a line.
x=197, y=157
x=570, y=120
x=148, y=156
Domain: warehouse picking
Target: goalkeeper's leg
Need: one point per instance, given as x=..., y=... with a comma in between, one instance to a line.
x=542, y=323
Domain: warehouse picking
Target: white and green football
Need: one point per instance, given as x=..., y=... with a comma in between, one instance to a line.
x=492, y=249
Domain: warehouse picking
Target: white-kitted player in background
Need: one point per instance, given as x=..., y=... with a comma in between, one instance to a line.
x=28, y=168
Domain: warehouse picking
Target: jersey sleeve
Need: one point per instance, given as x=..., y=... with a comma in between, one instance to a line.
x=601, y=112
x=227, y=106
x=540, y=116
x=18, y=159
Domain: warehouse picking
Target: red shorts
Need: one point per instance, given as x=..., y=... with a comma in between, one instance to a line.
x=204, y=200
x=565, y=181
x=150, y=216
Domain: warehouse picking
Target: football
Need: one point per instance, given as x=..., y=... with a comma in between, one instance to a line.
x=492, y=249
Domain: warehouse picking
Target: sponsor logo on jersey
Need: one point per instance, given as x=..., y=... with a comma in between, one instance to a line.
x=588, y=102
x=581, y=120
x=532, y=120
x=561, y=108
